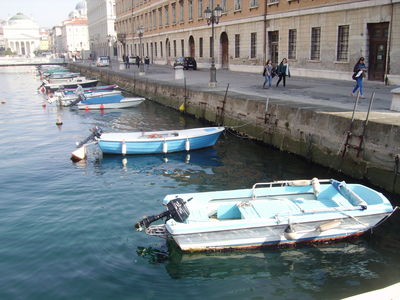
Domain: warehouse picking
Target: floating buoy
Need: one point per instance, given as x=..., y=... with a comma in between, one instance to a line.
x=165, y=147
x=187, y=145
x=59, y=122
x=44, y=104
x=123, y=147
x=101, y=106
x=79, y=154
x=87, y=108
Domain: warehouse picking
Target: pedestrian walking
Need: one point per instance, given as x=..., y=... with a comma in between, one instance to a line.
x=359, y=72
x=147, y=62
x=137, y=61
x=283, y=71
x=268, y=68
x=126, y=62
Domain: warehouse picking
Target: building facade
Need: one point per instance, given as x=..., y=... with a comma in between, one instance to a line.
x=21, y=34
x=102, y=35
x=75, y=37
x=320, y=38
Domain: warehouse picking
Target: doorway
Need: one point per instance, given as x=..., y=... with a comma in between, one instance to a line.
x=378, y=37
x=273, y=42
x=191, y=47
x=224, y=50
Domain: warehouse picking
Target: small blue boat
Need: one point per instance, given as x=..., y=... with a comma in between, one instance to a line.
x=154, y=142
x=108, y=100
x=269, y=214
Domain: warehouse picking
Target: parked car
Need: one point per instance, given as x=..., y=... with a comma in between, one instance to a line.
x=186, y=62
x=103, y=61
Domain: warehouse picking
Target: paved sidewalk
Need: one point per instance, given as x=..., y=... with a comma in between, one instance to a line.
x=312, y=93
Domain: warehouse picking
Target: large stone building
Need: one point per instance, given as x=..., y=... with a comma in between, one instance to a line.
x=102, y=36
x=21, y=35
x=321, y=38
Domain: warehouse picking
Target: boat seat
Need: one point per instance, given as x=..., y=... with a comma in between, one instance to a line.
x=197, y=215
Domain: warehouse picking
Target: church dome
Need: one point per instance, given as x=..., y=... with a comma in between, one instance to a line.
x=81, y=5
x=21, y=20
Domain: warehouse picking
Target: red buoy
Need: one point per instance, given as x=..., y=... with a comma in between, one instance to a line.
x=101, y=106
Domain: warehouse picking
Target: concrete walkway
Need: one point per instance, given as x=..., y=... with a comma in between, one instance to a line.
x=308, y=93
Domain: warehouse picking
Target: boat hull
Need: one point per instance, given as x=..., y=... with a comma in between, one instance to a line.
x=159, y=145
x=273, y=236
x=124, y=103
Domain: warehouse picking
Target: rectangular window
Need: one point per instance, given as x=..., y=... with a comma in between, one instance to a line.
x=253, y=3
x=161, y=49
x=155, y=49
x=190, y=10
x=166, y=15
x=253, y=45
x=181, y=11
x=160, y=17
x=201, y=47
x=154, y=19
x=175, y=48
x=343, y=43
x=315, y=43
x=292, y=43
x=238, y=4
x=237, y=45
x=200, y=8
x=173, y=13
x=223, y=6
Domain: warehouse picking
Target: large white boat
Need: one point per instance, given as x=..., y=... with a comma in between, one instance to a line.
x=269, y=214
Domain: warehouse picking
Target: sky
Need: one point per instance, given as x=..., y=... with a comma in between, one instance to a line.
x=47, y=13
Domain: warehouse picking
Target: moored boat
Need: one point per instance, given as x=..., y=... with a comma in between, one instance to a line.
x=68, y=83
x=269, y=214
x=150, y=142
x=108, y=100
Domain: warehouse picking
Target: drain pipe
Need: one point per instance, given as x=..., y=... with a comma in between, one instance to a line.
x=265, y=33
x=389, y=44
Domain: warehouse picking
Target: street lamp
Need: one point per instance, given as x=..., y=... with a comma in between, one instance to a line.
x=140, y=31
x=212, y=16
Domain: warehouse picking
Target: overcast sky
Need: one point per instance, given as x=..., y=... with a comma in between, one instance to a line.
x=47, y=13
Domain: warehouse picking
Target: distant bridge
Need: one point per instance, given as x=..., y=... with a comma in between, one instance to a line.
x=10, y=61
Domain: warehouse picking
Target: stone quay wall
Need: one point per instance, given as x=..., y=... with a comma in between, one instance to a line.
x=317, y=136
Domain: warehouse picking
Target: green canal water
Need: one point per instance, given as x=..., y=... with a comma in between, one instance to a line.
x=66, y=229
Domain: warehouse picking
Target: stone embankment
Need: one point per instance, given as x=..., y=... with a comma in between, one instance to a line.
x=371, y=152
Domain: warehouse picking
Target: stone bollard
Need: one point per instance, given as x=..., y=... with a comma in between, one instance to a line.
x=179, y=74
x=395, y=99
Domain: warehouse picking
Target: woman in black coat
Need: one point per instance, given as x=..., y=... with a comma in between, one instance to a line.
x=283, y=71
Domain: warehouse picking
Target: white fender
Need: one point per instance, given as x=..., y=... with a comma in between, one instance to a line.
x=187, y=145
x=123, y=148
x=316, y=186
x=165, y=147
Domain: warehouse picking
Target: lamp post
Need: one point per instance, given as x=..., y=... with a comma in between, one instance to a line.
x=212, y=15
x=140, y=31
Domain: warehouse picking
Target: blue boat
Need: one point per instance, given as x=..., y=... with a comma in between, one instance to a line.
x=107, y=100
x=269, y=214
x=154, y=142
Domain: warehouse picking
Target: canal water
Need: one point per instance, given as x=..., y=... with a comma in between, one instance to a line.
x=66, y=229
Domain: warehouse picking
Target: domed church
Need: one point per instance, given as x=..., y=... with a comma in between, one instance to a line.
x=21, y=35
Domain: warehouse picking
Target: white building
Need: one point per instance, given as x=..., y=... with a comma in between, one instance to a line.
x=101, y=18
x=75, y=36
x=56, y=41
x=74, y=32
x=22, y=35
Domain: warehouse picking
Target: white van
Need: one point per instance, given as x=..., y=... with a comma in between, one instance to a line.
x=103, y=61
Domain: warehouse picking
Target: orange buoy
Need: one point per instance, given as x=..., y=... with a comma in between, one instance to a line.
x=87, y=108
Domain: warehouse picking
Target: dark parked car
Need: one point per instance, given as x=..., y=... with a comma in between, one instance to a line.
x=186, y=62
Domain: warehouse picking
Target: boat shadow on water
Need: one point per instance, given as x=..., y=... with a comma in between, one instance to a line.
x=338, y=260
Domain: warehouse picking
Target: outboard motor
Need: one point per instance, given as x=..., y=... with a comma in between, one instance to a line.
x=96, y=133
x=176, y=209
